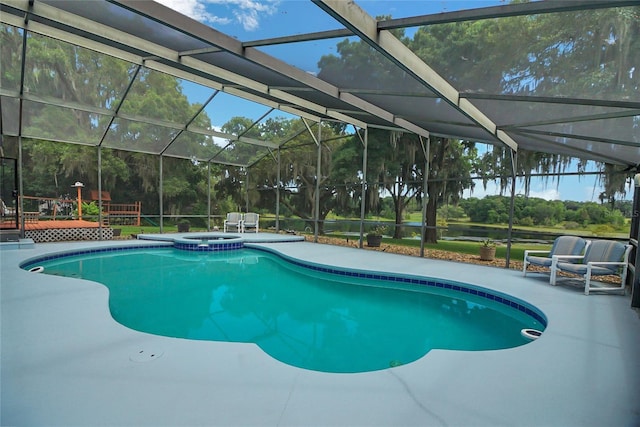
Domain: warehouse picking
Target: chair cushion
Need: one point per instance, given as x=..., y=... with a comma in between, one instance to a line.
x=542, y=261
x=605, y=251
x=233, y=218
x=250, y=219
x=563, y=245
x=581, y=269
x=568, y=245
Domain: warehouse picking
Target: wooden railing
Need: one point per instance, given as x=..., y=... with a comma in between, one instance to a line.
x=56, y=208
x=123, y=213
x=47, y=208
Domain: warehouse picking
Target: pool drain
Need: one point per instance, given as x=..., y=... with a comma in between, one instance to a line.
x=532, y=334
x=145, y=356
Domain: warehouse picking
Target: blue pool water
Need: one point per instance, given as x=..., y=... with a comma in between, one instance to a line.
x=303, y=317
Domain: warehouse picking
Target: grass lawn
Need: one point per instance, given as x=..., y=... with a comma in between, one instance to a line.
x=471, y=248
x=588, y=231
x=128, y=230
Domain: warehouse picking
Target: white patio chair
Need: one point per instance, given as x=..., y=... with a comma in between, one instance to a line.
x=6, y=211
x=601, y=258
x=234, y=220
x=251, y=221
x=563, y=245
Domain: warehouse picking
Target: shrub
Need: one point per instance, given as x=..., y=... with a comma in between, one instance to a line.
x=603, y=229
x=378, y=230
x=571, y=225
x=526, y=221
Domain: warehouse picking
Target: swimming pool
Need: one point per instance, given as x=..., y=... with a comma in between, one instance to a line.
x=310, y=316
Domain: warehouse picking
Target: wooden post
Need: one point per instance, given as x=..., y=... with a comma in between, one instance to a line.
x=79, y=186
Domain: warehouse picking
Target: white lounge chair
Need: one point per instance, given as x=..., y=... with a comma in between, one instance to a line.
x=251, y=221
x=6, y=211
x=563, y=245
x=234, y=220
x=601, y=258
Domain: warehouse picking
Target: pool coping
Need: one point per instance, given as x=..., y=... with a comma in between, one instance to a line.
x=232, y=243
x=65, y=361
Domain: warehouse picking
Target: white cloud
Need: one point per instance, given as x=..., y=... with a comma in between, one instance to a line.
x=194, y=9
x=480, y=192
x=548, y=194
x=220, y=142
x=493, y=190
x=248, y=13
x=591, y=194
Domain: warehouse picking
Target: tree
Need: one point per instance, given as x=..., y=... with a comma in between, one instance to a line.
x=450, y=168
x=594, y=52
x=559, y=54
x=395, y=160
x=80, y=76
x=614, y=181
x=392, y=167
x=298, y=173
x=535, y=211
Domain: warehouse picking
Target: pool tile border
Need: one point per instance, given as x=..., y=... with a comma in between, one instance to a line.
x=34, y=261
x=210, y=246
x=504, y=299
x=215, y=241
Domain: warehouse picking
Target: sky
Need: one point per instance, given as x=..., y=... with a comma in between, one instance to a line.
x=253, y=19
x=248, y=20
x=580, y=189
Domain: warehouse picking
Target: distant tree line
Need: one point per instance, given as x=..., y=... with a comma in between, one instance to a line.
x=532, y=211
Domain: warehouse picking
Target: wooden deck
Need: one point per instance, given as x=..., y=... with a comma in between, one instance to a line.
x=50, y=224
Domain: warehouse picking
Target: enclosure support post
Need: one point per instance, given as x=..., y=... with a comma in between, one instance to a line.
x=278, y=194
x=425, y=190
x=246, y=189
x=20, y=204
x=316, y=215
x=100, y=218
x=514, y=166
x=160, y=196
x=635, y=242
x=208, y=196
x=365, y=144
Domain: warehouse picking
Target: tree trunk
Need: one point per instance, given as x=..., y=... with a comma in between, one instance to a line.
x=430, y=233
x=398, y=207
x=434, y=190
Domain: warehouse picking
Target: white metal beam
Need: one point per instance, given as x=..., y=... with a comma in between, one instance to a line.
x=358, y=21
x=231, y=45
x=102, y=31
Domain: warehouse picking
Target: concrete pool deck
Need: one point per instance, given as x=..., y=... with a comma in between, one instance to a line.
x=65, y=361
